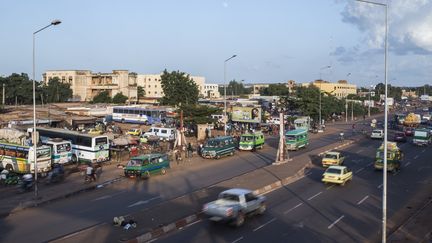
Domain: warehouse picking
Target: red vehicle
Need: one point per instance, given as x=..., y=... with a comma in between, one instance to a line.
x=409, y=131
x=400, y=137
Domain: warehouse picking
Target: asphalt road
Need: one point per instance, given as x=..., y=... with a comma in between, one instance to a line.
x=310, y=211
x=87, y=209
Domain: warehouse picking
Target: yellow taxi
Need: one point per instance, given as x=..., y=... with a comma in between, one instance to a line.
x=93, y=131
x=332, y=158
x=134, y=132
x=337, y=174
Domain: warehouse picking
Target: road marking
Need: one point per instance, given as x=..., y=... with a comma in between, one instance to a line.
x=143, y=202
x=152, y=240
x=357, y=171
x=361, y=150
x=380, y=186
x=371, y=163
x=329, y=187
x=264, y=224
x=291, y=209
x=314, y=196
x=196, y=222
x=107, y=196
x=238, y=239
x=415, y=157
x=308, y=174
x=335, y=222
x=407, y=164
x=364, y=199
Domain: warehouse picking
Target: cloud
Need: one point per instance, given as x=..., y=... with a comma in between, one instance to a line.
x=225, y=4
x=410, y=25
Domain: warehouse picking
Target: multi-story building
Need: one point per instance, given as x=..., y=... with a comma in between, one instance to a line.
x=211, y=91
x=85, y=85
x=153, y=87
x=341, y=89
x=256, y=88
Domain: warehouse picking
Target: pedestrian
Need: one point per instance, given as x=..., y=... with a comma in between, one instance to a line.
x=90, y=173
x=178, y=157
x=189, y=150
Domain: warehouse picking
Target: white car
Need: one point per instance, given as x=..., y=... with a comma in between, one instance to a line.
x=377, y=134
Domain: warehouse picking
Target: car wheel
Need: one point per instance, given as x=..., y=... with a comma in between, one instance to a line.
x=239, y=221
x=217, y=156
x=163, y=171
x=262, y=208
x=74, y=159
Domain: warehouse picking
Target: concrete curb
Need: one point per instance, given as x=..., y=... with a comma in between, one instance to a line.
x=31, y=204
x=181, y=223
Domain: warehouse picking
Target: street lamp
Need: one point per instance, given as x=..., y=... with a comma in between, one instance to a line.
x=225, y=103
x=320, y=122
x=54, y=22
x=384, y=195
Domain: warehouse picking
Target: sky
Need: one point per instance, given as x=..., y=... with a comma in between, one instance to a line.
x=274, y=40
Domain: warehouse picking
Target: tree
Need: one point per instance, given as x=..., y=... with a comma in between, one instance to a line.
x=140, y=93
x=199, y=114
x=178, y=88
x=56, y=91
x=235, y=88
x=119, y=98
x=275, y=89
x=102, y=97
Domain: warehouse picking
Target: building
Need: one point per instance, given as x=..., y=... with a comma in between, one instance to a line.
x=153, y=87
x=85, y=85
x=409, y=94
x=256, y=88
x=211, y=91
x=341, y=89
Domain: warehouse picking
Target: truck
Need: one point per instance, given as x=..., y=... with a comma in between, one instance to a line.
x=394, y=157
x=233, y=205
x=422, y=137
x=412, y=120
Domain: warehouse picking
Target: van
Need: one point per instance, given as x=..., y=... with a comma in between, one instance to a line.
x=217, y=147
x=296, y=139
x=163, y=133
x=377, y=134
x=145, y=165
x=251, y=141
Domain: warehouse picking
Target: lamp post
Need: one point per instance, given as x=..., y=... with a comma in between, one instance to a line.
x=320, y=121
x=384, y=195
x=54, y=22
x=225, y=101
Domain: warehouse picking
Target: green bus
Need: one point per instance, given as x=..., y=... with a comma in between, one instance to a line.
x=251, y=141
x=296, y=139
x=144, y=165
x=217, y=147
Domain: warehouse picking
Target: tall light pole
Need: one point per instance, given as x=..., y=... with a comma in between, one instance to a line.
x=320, y=121
x=54, y=22
x=384, y=195
x=346, y=102
x=225, y=101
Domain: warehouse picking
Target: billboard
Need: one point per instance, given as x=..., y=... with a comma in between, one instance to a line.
x=246, y=114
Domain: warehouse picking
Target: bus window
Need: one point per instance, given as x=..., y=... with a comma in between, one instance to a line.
x=61, y=148
x=101, y=141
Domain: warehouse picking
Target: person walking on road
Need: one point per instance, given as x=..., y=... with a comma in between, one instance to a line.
x=189, y=150
x=90, y=173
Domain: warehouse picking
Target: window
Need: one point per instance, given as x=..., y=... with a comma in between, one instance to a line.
x=164, y=131
x=229, y=197
x=155, y=92
x=250, y=197
x=149, y=92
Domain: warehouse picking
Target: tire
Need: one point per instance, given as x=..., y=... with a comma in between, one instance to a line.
x=217, y=156
x=74, y=159
x=261, y=209
x=145, y=175
x=239, y=221
x=163, y=171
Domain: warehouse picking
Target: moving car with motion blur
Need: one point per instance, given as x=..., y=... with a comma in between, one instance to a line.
x=332, y=158
x=400, y=137
x=234, y=205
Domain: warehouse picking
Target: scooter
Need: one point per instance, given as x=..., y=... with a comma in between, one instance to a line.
x=88, y=179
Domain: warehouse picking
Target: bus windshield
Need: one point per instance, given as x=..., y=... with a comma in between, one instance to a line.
x=246, y=138
x=43, y=153
x=63, y=148
x=380, y=155
x=290, y=137
x=212, y=143
x=101, y=141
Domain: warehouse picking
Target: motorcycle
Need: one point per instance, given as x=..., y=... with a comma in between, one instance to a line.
x=25, y=186
x=54, y=178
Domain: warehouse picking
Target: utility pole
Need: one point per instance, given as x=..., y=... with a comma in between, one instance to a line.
x=352, y=111
x=3, y=97
x=282, y=155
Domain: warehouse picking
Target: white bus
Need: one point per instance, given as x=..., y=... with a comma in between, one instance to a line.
x=61, y=149
x=20, y=159
x=138, y=114
x=85, y=147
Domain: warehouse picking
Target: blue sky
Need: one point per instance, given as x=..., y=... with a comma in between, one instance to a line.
x=275, y=40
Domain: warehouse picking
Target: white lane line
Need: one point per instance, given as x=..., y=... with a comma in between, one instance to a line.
x=152, y=240
x=357, y=171
x=361, y=150
x=143, y=202
x=291, y=209
x=308, y=174
x=335, y=222
x=407, y=164
x=380, y=186
x=415, y=157
x=364, y=199
x=238, y=239
x=264, y=224
x=196, y=222
x=329, y=187
x=107, y=196
x=314, y=196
